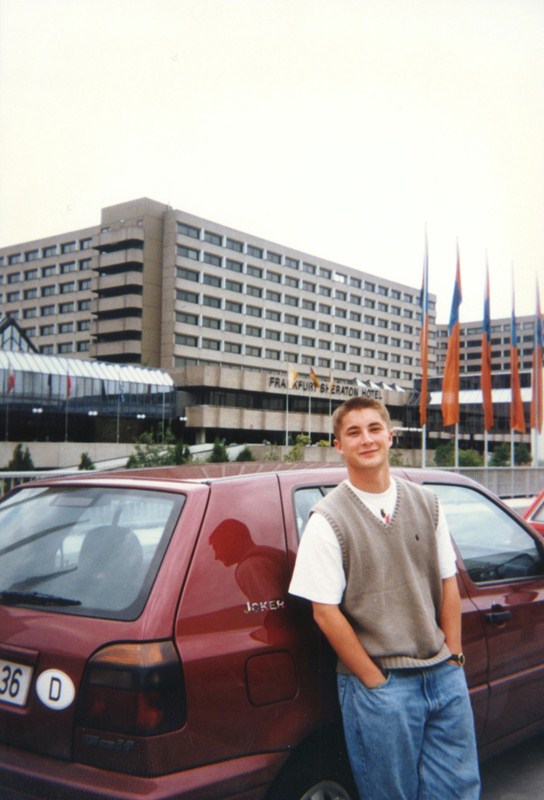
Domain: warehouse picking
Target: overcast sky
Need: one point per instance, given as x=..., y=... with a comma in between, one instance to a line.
x=343, y=128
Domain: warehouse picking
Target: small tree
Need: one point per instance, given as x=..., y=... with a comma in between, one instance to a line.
x=443, y=455
x=470, y=458
x=501, y=456
x=86, y=462
x=295, y=453
x=522, y=454
x=245, y=454
x=21, y=460
x=219, y=453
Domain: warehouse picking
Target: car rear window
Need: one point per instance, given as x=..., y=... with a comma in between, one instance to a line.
x=89, y=551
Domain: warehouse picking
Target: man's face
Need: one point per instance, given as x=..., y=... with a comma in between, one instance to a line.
x=364, y=439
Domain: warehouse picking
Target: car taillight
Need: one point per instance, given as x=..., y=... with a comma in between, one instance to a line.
x=134, y=689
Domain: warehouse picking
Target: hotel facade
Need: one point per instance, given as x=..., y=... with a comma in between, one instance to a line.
x=225, y=314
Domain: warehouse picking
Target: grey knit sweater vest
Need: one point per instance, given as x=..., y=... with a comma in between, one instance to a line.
x=393, y=587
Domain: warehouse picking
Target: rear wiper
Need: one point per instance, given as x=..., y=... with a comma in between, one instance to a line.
x=14, y=598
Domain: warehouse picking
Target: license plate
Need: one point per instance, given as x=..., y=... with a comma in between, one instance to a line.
x=14, y=682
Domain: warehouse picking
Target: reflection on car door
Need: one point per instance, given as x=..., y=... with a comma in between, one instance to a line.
x=504, y=575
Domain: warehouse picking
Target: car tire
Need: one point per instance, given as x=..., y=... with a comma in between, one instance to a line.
x=311, y=775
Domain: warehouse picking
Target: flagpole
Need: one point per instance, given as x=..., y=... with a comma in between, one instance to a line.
x=424, y=446
x=310, y=417
x=456, y=445
x=66, y=420
x=287, y=416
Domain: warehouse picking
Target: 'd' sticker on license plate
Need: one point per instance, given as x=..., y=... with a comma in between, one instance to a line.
x=14, y=682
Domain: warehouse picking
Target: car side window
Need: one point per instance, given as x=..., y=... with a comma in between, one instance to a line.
x=493, y=545
x=305, y=500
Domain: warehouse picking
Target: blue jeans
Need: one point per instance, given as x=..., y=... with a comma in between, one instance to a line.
x=412, y=738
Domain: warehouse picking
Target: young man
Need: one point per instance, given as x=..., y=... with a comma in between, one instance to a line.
x=377, y=563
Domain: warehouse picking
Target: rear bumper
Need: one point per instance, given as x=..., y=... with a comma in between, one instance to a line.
x=27, y=776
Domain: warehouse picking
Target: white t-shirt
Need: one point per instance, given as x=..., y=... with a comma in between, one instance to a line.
x=319, y=572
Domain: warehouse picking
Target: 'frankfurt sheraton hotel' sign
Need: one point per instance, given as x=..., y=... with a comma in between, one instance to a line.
x=340, y=389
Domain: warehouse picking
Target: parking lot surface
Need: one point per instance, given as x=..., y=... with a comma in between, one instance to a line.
x=517, y=774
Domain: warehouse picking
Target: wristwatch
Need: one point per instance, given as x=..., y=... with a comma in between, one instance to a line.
x=458, y=658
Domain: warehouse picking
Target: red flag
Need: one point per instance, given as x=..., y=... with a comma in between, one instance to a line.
x=11, y=382
x=537, y=403
x=450, y=383
x=68, y=386
x=485, y=382
x=424, y=338
x=314, y=378
x=517, y=418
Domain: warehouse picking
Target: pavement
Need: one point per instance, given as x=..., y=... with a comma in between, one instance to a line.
x=516, y=774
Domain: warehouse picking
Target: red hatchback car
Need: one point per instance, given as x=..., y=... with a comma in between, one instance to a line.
x=535, y=513
x=149, y=648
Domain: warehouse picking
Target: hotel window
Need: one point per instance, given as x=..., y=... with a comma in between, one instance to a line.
x=369, y=337
x=233, y=327
x=271, y=334
x=353, y=350
x=212, y=259
x=307, y=360
x=213, y=238
x=236, y=308
x=212, y=280
x=395, y=326
x=188, y=252
x=324, y=344
x=211, y=322
x=370, y=287
x=186, y=297
x=187, y=274
x=340, y=330
x=48, y=311
x=47, y=350
x=340, y=294
x=355, y=282
x=84, y=325
x=16, y=258
x=291, y=262
x=253, y=311
x=30, y=294
x=289, y=300
x=275, y=316
x=290, y=319
x=290, y=338
x=85, y=244
x=274, y=354
x=212, y=302
x=309, y=305
x=369, y=320
x=31, y=275
x=232, y=347
x=368, y=353
x=382, y=323
x=211, y=344
x=290, y=357
x=395, y=310
x=70, y=266
x=68, y=247
x=324, y=309
x=82, y=347
x=84, y=285
x=66, y=288
x=308, y=287
x=188, y=230
x=15, y=277
x=50, y=251
x=256, y=252
x=325, y=291
x=309, y=268
x=355, y=299
x=254, y=291
x=324, y=326
x=394, y=342
x=232, y=244
x=252, y=330
x=275, y=258
x=341, y=313
x=274, y=296
x=47, y=330
x=66, y=308
x=47, y=291
x=339, y=347
x=29, y=313
x=273, y=277
x=355, y=316
x=32, y=255
x=255, y=352
x=395, y=294
x=323, y=362
x=255, y=272
x=13, y=297
x=187, y=319
x=84, y=305
x=308, y=323
x=292, y=282
x=66, y=327
x=325, y=273
x=187, y=341
x=407, y=313
x=339, y=364
x=307, y=341
x=234, y=266
x=233, y=286
x=48, y=271
x=382, y=290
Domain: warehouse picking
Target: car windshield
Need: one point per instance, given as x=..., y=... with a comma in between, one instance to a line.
x=90, y=551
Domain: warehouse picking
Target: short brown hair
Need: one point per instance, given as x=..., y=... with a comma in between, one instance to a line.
x=355, y=403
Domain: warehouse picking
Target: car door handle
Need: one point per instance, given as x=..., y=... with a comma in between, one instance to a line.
x=497, y=615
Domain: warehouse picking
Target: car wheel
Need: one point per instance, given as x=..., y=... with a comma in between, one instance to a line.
x=327, y=790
